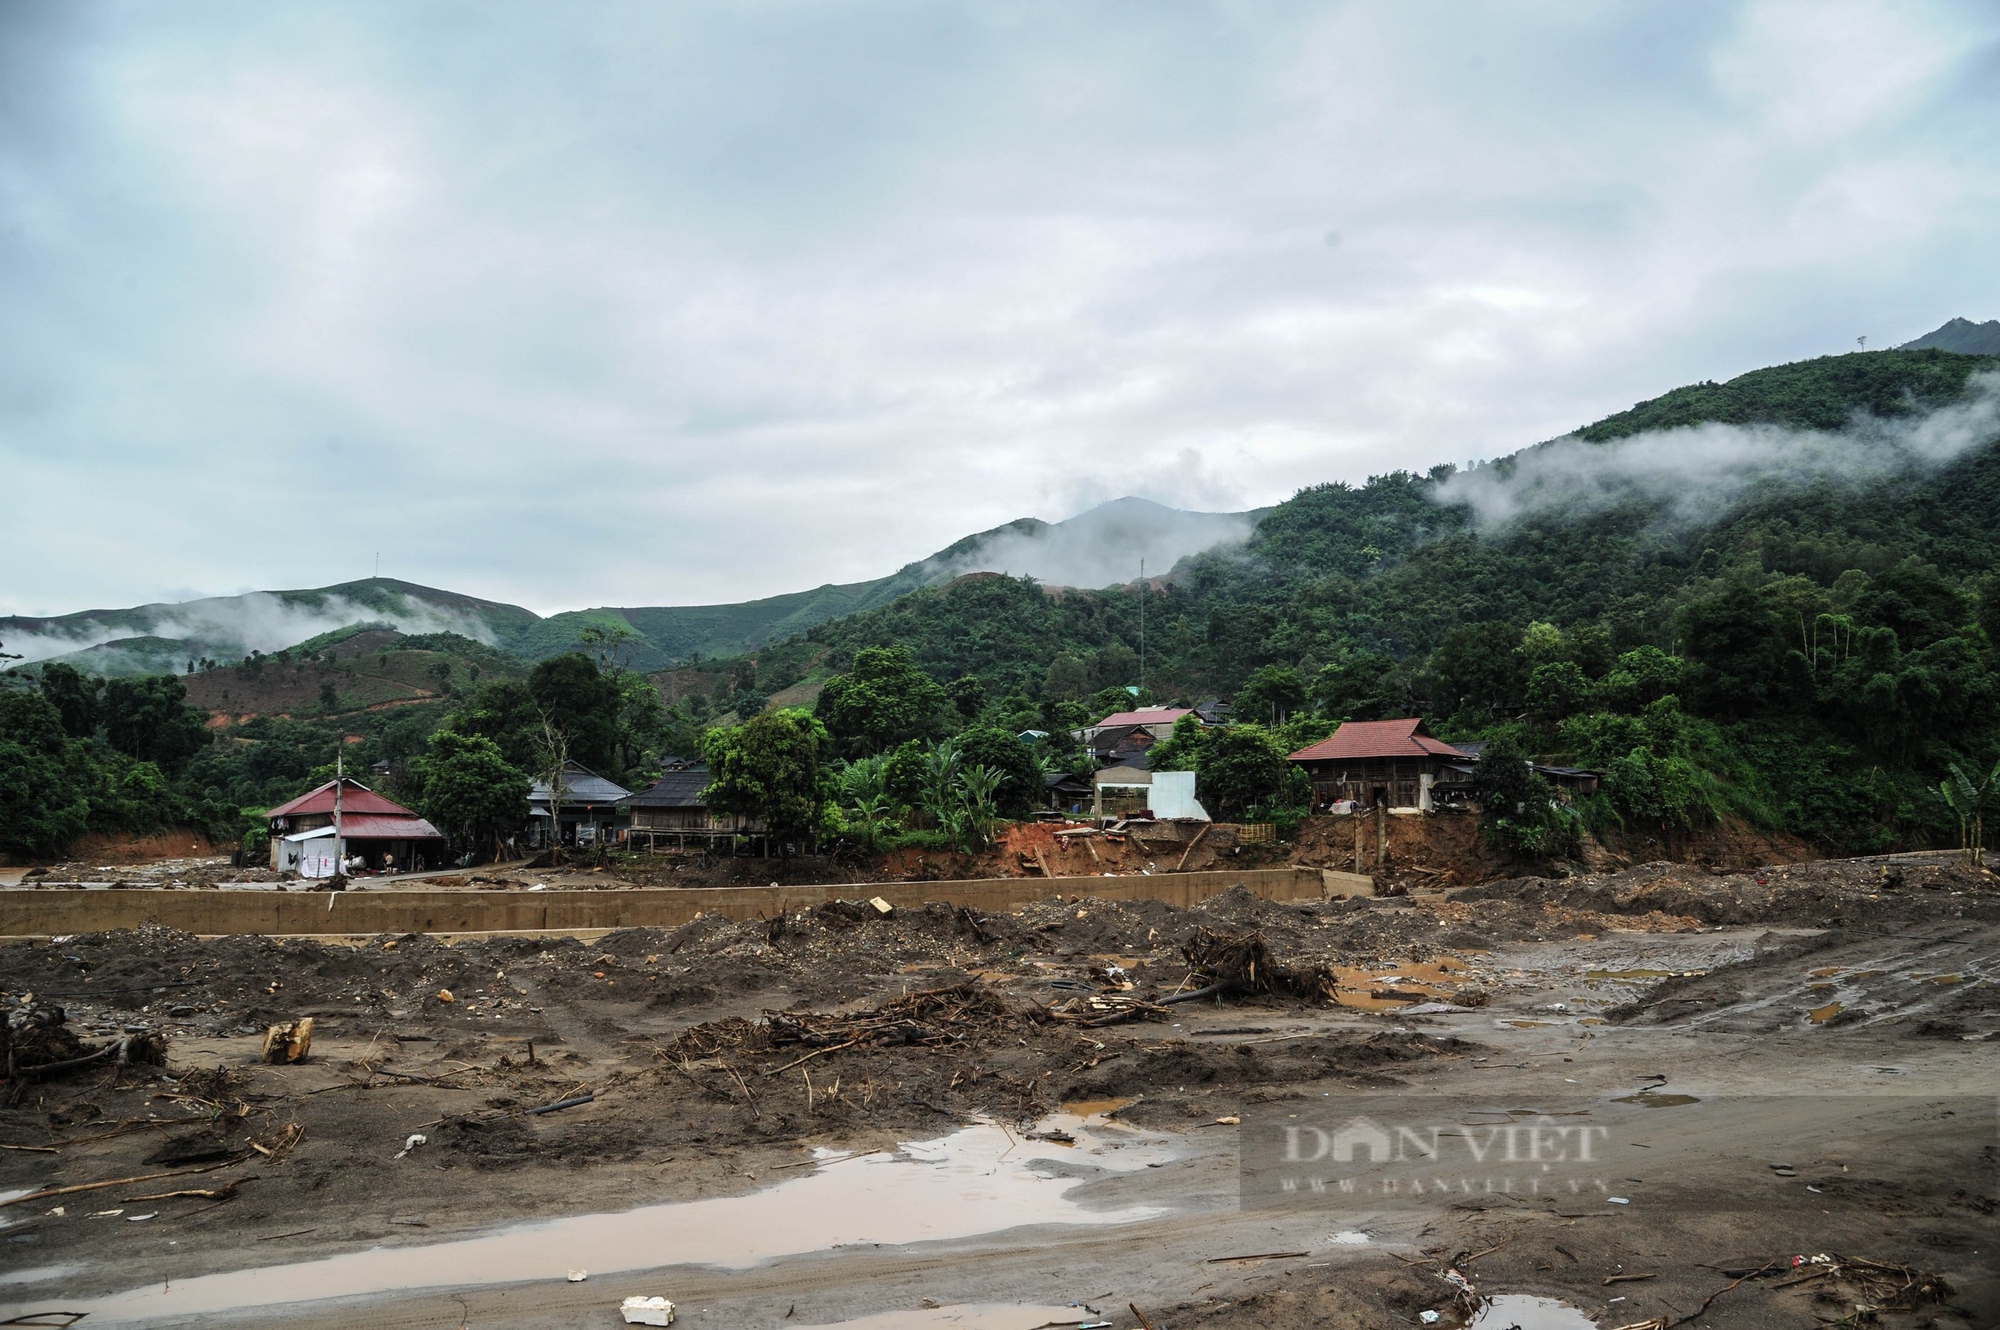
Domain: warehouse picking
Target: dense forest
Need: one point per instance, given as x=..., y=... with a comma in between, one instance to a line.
x=1810, y=649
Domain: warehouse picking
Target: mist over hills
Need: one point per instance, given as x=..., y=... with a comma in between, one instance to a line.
x=1094, y=548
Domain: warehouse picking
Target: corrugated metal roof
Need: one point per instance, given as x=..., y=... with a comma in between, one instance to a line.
x=584, y=787
x=675, y=789
x=1146, y=716
x=367, y=826
x=1360, y=739
x=354, y=798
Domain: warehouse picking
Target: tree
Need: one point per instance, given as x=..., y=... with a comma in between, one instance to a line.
x=329, y=699
x=505, y=712
x=968, y=697
x=609, y=643
x=885, y=700
x=44, y=778
x=771, y=768
x=1240, y=767
x=1557, y=690
x=1066, y=680
x=1270, y=695
x=469, y=790
x=576, y=696
x=1181, y=749
x=1520, y=812
x=1019, y=787
x=1476, y=671
x=74, y=696
x=1360, y=685
x=1914, y=602
x=148, y=718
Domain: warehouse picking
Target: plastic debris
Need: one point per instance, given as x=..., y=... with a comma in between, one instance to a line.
x=647, y=1311
x=578, y=1276
x=1618, y=1200
x=444, y=995
x=1428, y=1318
x=140, y=1219
x=416, y=1139
x=882, y=907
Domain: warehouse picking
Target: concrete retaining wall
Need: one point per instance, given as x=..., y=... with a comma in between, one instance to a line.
x=41, y=913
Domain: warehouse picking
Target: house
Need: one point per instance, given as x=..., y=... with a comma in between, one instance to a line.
x=1385, y=763
x=589, y=813
x=304, y=839
x=1570, y=780
x=1158, y=722
x=1133, y=791
x=1066, y=791
x=675, y=806
x=1120, y=745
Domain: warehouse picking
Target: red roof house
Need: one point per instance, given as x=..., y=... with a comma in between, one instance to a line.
x=1397, y=763
x=303, y=839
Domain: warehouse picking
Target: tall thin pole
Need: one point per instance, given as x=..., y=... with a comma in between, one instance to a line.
x=339, y=779
x=1142, y=632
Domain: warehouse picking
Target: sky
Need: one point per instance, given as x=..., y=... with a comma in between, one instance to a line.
x=645, y=304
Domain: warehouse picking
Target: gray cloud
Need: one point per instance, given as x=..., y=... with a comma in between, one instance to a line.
x=649, y=304
x=1697, y=473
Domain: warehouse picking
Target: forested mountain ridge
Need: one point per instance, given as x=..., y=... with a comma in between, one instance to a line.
x=1825, y=635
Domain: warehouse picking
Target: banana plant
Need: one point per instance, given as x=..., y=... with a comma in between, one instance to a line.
x=1967, y=798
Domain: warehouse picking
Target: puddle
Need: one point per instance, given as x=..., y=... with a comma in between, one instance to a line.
x=1097, y=1108
x=1826, y=972
x=978, y=1180
x=1395, y=987
x=1655, y=1099
x=966, y=1316
x=1528, y=1025
x=41, y=1274
x=1821, y=1015
x=1524, y=1311
x=1602, y=975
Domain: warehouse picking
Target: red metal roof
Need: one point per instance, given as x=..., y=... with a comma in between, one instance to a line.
x=1378, y=738
x=357, y=798
x=372, y=826
x=1147, y=716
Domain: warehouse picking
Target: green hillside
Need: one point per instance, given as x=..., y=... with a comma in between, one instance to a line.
x=1826, y=646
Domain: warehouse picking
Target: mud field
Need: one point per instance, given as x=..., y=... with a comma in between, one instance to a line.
x=968, y=1119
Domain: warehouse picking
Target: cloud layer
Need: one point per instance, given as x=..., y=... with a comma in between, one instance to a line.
x=1697, y=473
x=648, y=304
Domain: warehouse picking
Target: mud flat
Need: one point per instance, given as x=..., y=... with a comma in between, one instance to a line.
x=831, y=1116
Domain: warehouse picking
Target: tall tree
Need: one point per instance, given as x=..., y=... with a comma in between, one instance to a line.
x=885, y=700
x=773, y=768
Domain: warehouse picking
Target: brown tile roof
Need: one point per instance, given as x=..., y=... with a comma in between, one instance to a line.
x=1360, y=739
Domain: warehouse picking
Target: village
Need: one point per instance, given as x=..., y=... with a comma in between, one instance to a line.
x=614, y=1017
x=865, y=666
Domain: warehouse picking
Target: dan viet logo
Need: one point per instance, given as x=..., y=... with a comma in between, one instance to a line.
x=1368, y=1158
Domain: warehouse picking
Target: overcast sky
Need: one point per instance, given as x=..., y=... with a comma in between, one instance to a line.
x=584, y=304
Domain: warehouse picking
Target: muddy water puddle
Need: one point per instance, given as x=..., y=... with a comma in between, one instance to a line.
x=981, y=1179
x=969, y=1316
x=1524, y=1311
x=1395, y=987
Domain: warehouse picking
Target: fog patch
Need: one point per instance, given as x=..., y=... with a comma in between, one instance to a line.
x=232, y=625
x=1101, y=547
x=1697, y=473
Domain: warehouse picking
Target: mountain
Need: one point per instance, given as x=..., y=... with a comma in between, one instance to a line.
x=1097, y=547
x=162, y=638
x=1963, y=336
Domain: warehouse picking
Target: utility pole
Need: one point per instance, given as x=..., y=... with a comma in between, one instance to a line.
x=1142, y=633
x=339, y=779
